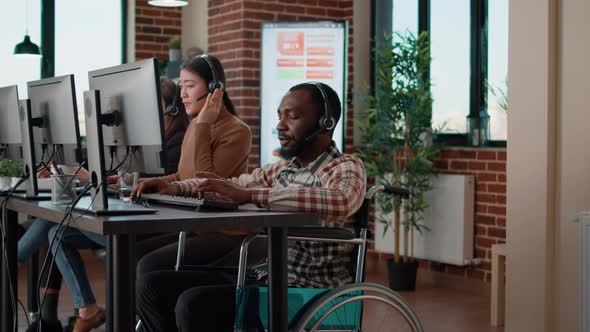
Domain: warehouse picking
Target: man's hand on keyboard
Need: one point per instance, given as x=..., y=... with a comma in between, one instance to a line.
x=225, y=188
x=154, y=185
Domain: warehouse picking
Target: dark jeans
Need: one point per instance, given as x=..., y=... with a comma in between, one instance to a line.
x=168, y=300
x=186, y=301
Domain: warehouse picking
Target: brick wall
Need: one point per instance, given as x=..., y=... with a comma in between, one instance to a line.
x=234, y=37
x=153, y=28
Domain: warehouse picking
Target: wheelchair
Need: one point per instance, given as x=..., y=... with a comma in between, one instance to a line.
x=322, y=309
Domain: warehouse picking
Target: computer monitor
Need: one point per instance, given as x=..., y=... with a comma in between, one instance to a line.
x=10, y=137
x=56, y=133
x=123, y=111
x=49, y=127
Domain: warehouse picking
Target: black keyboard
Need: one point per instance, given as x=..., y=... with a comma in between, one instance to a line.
x=192, y=202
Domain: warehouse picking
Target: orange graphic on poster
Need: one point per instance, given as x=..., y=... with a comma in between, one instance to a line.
x=319, y=74
x=320, y=51
x=289, y=62
x=290, y=43
x=314, y=62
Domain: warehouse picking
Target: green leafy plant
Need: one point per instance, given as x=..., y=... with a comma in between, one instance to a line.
x=397, y=133
x=174, y=42
x=10, y=168
x=500, y=93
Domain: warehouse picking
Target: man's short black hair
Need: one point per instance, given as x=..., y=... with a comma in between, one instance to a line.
x=334, y=105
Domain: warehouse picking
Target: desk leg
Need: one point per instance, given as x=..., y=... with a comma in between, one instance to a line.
x=32, y=277
x=277, y=279
x=121, y=287
x=9, y=271
x=109, y=327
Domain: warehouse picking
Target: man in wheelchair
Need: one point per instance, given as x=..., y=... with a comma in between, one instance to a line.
x=313, y=177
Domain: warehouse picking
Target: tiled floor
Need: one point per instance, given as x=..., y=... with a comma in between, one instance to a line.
x=440, y=309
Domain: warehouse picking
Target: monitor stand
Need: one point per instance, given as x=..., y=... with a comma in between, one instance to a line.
x=26, y=123
x=115, y=207
x=99, y=203
x=41, y=196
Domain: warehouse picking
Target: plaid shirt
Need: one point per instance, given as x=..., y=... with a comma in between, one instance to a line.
x=333, y=186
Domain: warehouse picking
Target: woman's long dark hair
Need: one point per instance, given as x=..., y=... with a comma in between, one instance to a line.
x=179, y=122
x=199, y=66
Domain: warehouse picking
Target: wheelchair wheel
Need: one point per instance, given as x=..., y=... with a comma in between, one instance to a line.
x=343, y=308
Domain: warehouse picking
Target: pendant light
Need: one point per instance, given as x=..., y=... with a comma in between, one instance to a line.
x=27, y=47
x=168, y=3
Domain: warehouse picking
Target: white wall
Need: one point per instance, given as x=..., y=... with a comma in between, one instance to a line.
x=361, y=59
x=573, y=157
x=130, y=31
x=194, y=25
x=548, y=162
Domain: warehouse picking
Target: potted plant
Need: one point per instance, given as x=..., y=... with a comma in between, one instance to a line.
x=174, y=48
x=9, y=169
x=397, y=143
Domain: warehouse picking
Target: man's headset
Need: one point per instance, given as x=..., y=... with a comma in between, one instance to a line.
x=173, y=109
x=214, y=83
x=327, y=121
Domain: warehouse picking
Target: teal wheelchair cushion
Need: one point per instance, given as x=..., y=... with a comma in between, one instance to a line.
x=252, y=305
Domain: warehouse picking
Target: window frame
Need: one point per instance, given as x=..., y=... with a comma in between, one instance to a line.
x=48, y=36
x=381, y=12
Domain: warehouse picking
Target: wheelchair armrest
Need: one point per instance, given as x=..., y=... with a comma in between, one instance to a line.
x=321, y=232
x=391, y=190
x=395, y=190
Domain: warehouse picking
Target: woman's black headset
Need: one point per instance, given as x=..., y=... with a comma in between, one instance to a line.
x=173, y=109
x=214, y=83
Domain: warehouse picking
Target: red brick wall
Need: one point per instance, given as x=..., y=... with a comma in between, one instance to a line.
x=153, y=28
x=234, y=37
x=489, y=168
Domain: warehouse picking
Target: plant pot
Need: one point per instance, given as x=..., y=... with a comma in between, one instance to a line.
x=174, y=54
x=5, y=182
x=402, y=276
x=14, y=181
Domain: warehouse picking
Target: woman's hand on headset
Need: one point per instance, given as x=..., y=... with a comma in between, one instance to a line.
x=210, y=112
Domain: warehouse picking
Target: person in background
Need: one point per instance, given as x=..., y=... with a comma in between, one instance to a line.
x=215, y=141
x=175, y=122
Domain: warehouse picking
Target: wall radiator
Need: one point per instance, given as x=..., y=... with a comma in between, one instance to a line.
x=450, y=220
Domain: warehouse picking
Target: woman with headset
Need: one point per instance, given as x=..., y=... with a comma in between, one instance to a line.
x=175, y=122
x=216, y=141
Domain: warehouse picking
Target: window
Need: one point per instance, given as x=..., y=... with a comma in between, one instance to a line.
x=13, y=25
x=87, y=37
x=405, y=16
x=461, y=79
x=449, y=70
x=498, y=67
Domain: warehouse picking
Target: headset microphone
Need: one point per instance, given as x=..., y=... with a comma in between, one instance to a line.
x=203, y=96
x=309, y=138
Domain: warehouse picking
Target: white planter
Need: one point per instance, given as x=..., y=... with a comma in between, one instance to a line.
x=15, y=181
x=5, y=182
x=174, y=54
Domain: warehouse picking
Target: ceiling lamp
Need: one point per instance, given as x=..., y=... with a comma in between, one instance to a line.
x=27, y=47
x=168, y=3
